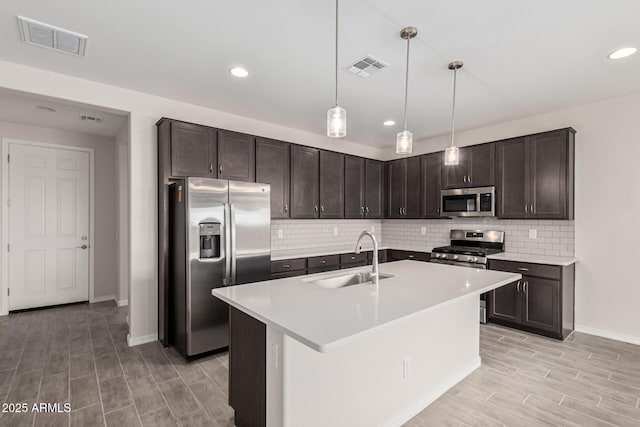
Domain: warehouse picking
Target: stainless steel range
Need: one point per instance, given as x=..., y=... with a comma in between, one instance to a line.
x=470, y=248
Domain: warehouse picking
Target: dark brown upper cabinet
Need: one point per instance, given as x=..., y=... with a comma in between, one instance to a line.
x=535, y=176
x=331, y=184
x=431, y=173
x=403, y=188
x=193, y=150
x=272, y=167
x=475, y=169
x=354, y=187
x=364, y=184
x=373, y=189
x=236, y=156
x=305, y=185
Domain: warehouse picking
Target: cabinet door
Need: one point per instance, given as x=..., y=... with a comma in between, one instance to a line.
x=193, y=150
x=396, y=176
x=506, y=302
x=541, y=303
x=272, y=167
x=431, y=166
x=413, y=199
x=512, y=189
x=236, y=156
x=354, y=184
x=374, y=184
x=331, y=185
x=305, y=173
x=548, y=175
x=482, y=161
x=456, y=176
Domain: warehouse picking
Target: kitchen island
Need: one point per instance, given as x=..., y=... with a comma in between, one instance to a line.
x=361, y=355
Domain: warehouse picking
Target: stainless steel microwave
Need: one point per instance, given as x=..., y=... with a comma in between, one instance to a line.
x=479, y=201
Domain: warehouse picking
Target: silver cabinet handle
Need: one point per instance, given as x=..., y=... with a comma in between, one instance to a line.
x=366, y=209
x=532, y=208
x=315, y=208
x=523, y=269
x=361, y=209
x=323, y=261
x=210, y=167
x=400, y=210
x=232, y=214
x=321, y=208
x=518, y=286
x=524, y=287
x=286, y=265
x=227, y=245
x=82, y=247
x=468, y=178
x=286, y=208
x=464, y=178
x=526, y=208
x=220, y=168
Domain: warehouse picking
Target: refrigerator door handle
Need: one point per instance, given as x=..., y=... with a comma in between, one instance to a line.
x=227, y=245
x=233, y=244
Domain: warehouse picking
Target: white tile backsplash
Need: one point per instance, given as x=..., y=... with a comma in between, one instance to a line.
x=554, y=237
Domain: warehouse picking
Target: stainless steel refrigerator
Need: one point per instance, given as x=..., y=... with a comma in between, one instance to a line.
x=219, y=235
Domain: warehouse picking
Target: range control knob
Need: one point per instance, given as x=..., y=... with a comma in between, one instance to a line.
x=473, y=259
x=455, y=257
x=437, y=255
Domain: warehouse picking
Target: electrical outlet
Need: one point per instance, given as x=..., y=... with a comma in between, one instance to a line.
x=533, y=234
x=273, y=355
x=373, y=228
x=335, y=231
x=423, y=230
x=280, y=233
x=406, y=364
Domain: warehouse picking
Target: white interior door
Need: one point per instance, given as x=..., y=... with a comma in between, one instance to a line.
x=48, y=226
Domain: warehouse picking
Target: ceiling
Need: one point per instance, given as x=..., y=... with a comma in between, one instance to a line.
x=27, y=109
x=521, y=58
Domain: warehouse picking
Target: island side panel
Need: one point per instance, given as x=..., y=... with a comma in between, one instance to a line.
x=362, y=384
x=247, y=369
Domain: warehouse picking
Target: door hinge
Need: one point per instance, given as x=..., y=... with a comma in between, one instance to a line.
x=8, y=203
x=8, y=291
x=8, y=247
x=8, y=158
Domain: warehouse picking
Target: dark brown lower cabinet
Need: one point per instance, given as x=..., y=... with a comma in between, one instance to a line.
x=398, y=255
x=247, y=369
x=542, y=302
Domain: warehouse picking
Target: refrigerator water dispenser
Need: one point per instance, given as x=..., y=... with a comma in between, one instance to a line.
x=209, y=240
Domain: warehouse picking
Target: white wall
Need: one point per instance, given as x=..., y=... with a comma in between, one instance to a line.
x=145, y=111
x=607, y=207
x=103, y=242
x=122, y=217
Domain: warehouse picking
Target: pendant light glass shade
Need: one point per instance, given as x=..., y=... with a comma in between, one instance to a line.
x=336, y=116
x=451, y=156
x=404, y=142
x=336, y=122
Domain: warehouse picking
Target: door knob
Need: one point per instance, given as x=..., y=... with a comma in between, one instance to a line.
x=82, y=247
x=83, y=238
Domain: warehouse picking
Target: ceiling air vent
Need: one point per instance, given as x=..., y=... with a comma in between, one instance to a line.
x=93, y=119
x=366, y=66
x=45, y=35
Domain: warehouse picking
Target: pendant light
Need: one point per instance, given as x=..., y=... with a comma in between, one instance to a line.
x=404, y=140
x=452, y=154
x=336, y=116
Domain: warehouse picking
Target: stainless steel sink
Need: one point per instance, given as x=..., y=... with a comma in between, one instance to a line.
x=342, y=280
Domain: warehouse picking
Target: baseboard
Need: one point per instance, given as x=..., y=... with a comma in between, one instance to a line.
x=608, y=334
x=133, y=341
x=103, y=299
x=425, y=401
x=122, y=302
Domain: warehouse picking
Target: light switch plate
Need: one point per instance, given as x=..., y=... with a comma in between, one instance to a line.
x=533, y=233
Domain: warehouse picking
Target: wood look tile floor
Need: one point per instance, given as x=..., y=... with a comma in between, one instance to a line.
x=78, y=354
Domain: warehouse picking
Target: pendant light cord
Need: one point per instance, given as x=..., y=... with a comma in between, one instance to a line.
x=453, y=108
x=406, y=86
x=337, y=52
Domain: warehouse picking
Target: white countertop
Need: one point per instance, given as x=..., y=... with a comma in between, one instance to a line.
x=324, y=319
x=334, y=250
x=535, y=259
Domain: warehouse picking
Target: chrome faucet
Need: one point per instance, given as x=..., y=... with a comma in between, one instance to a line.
x=374, y=271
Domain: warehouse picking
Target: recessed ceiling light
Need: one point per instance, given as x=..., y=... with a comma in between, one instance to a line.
x=389, y=123
x=239, y=72
x=45, y=108
x=622, y=53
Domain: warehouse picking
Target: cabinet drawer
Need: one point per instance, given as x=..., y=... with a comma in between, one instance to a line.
x=397, y=255
x=353, y=258
x=537, y=270
x=324, y=261
x=288, y=265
